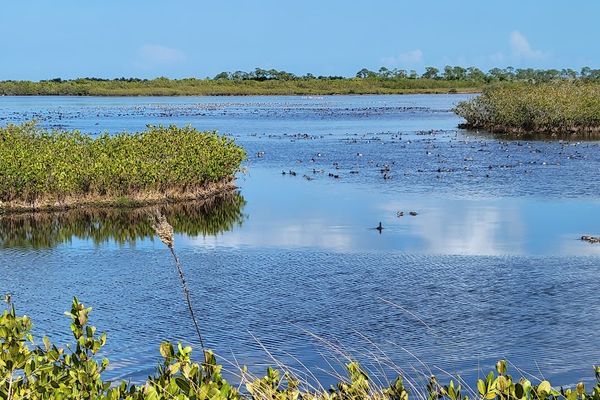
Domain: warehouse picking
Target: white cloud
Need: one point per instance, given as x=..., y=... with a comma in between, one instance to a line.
x=157, y=54
x=410, y=57
x=521, y=47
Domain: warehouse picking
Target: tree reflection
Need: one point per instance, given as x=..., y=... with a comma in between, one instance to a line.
x=122, y=225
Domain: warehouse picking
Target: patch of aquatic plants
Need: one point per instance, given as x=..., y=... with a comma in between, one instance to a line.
x=119, y=224
x=32, y=370
x=557, y=108
x=59, y=168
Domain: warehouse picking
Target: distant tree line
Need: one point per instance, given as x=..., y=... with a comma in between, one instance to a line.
x=260, y=74
x=449, y=73
x=92, y=79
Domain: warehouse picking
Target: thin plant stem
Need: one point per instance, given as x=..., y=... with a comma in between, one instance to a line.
x=164, y=230
x=186, y=292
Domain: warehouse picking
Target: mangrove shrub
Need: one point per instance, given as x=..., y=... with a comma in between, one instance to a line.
x=40, y=165
x=45, y=371
x=556, y=107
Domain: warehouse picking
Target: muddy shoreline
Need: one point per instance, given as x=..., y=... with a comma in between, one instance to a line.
x=130, y=200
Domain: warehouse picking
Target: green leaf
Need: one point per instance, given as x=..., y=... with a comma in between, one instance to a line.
x=183, y=384
x=166, y=349
x=544, y=388
x=481, y=387
x=519, y=391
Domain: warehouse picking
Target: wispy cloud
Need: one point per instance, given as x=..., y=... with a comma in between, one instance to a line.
x=160, y=55
x=522, y=48
x=410, y=57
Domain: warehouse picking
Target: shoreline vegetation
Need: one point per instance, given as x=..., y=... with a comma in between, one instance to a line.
x=42, y=371
x=552, y=108
x=54, y=170
x=450, y=79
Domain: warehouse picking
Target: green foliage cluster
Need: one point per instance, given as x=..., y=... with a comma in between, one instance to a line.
x=555, y=107
x=30, y=371
x=40, y=230
x=38, y=164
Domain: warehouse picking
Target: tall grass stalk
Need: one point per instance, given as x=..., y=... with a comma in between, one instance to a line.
x=164, y=230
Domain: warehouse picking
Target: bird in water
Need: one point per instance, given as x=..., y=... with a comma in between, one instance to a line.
x=379, y=227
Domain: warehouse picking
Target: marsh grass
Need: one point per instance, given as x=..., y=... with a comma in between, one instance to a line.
x=555, y=108
x=60, y=169
x=212, y=87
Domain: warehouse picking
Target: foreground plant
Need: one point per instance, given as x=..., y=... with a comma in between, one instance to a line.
x=29, y=371
x=164, y=231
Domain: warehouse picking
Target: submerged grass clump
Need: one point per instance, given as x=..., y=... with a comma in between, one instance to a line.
x=41, y=168
x=554, y=108
x=45, y=371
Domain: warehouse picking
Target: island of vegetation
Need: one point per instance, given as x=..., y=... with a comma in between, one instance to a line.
x=46, y=371
x=41, y=169
x=550, y=108
x=451, y=79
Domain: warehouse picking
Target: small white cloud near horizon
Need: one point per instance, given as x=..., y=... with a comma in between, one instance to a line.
x=521, y=47
x=158, y=54
x=410, y=57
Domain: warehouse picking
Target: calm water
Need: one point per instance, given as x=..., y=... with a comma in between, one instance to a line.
x=490, y=267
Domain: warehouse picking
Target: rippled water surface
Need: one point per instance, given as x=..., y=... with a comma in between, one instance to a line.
x=489, y=267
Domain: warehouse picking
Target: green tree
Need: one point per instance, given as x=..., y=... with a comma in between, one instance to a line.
x=475, y=74
x=222, y=76
x=365, y=73
x=431, y=73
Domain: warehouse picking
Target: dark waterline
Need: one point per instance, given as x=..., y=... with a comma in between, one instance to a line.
x=490, y=267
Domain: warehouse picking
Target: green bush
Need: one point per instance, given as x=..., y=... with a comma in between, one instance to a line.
x=38, y=164
x=41, y=372
x=555, y=107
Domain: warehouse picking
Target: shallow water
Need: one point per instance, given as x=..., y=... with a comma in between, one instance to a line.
x=490, y=267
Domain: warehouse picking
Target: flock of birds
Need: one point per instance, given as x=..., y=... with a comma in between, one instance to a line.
x=453, y=154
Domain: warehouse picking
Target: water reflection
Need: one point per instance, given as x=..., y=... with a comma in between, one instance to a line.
x=123, y=226
x=538, y=137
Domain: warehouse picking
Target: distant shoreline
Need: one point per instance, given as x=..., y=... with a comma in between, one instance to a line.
x=405, y=92
x=223, y=87
x=271, y=82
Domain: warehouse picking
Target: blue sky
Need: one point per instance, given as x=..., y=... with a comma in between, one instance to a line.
x=177, y=38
